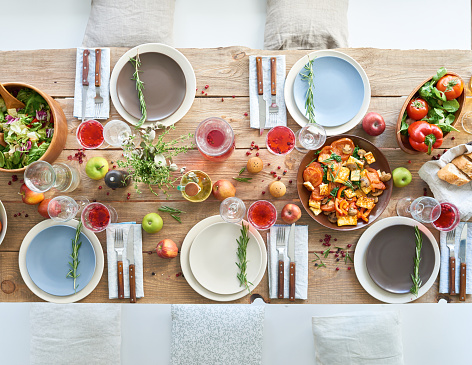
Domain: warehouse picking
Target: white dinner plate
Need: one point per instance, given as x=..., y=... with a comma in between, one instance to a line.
x=53, y=298
x=179, y=58
x=361, y=268
x=187, y=272
x=213, y=257
x=293, y=108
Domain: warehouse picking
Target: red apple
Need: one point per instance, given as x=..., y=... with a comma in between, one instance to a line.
x=167, y=249
x=223, y=189
x=30, y=197
x=291, y=213
x=373, y=124
x=43, y=208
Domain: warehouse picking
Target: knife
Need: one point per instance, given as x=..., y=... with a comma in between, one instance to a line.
x=462, y=256
x=260, y=92
x=132, y=271
x=291, y=256
x=85, y=83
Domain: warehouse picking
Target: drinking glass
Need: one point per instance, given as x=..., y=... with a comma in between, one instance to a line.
x=449, y=218
x=215, y=139
x=65, y=208
x=262, y=214
x=423, y=209
x=97, y=216
x=40, y=176
x=232, y=210
x=280, y=140
x=467, y=122
x=310, y=137
x=116, y=132
x=90, y=134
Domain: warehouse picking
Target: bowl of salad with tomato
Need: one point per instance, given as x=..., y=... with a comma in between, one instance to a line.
x=36, y=132
x=430, y=112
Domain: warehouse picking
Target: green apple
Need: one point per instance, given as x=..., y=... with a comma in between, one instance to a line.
x=96, y=168
x=401, y=177
x=152, y=223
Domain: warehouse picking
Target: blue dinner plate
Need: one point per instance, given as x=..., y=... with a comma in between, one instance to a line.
x=338, y=93
x=47, y=260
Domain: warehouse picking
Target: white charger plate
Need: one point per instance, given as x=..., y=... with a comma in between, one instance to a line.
x=182, y=61
x=361, y=268
x=185, y=264
x=213, y=257
x=293, y=108
x=100, y=261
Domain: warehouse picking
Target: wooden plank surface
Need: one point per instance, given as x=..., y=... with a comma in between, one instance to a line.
x=392, y=74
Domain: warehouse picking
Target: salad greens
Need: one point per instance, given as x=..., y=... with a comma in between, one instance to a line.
x=27, y=132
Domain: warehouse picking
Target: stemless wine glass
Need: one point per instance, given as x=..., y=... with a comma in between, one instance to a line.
x=310, y=137
x=65, y=208
x=280, y=140
x=90, y=134
x=423, y=209
x=97, y=216
x=262, y=214
x=215, y=139
x=467, y=122
x=232, y=210
x=40, y=176
x=449, y=218
x=116, y=132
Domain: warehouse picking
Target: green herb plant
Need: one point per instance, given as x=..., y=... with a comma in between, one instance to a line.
x=243, y=179
x=309, y=77
x=242, y=241
x=415, y=277
x=75, y=257
x=136, y=62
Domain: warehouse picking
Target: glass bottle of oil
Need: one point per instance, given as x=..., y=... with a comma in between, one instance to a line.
x=195, y=186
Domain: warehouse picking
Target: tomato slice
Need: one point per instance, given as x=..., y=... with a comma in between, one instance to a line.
x=315, y=194
x=313, y=175
x=374, y=179
x=341, y=144
x=315, y=164
x=325, y=154
x=328, y=207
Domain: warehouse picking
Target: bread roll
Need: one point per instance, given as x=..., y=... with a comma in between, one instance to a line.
x=451, y=174
x=463, y=164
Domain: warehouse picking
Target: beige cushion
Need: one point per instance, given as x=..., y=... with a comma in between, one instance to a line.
x=128, y=23
x=306, y=24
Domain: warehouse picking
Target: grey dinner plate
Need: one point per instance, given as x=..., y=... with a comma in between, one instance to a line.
x=389, y=258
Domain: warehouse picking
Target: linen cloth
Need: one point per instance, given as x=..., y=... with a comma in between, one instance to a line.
x=444, y=268
x=254, y=97
x=128, y=23
x=79, y=334
x=217, y=334
x=460, y=196
x=306, y=24
x=301, y=262
x=104, y=85
x=358, y=338
x=112, y=260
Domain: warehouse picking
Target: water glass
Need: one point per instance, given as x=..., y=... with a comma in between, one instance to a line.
x=65, y=208
x=423, y=209
x=232, y=210
x=116, y=132
x=40, y=176
x=310, y=137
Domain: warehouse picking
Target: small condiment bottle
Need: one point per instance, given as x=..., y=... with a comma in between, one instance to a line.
x=117, y=179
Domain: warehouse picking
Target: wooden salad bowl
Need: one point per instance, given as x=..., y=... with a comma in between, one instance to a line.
x=60, y=124
x=381, y=163
x=402, y=140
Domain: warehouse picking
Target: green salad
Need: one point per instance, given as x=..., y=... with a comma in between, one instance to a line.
x=27, y=132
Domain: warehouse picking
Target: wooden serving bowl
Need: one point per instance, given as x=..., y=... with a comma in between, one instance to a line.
x=380, y=163
x=402, y=140
x=60, y=124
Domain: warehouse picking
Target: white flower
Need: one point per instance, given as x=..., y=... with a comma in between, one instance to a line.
x=173, y=167
x=160, y=160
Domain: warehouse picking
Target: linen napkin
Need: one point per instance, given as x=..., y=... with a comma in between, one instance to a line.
x=301, y=262
x=79, y=334
x=358, y=338
x=253, y=96
x=104, y=85
x=230, y=334
x=112, y=260
x=460, y=196
x=444, y=272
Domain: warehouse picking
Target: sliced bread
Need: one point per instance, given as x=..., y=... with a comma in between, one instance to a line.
x=464, y=164
x=451, y=174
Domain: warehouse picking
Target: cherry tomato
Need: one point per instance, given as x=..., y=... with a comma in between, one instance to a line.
x=343, y=147
x=451, y=86
x=417, y=109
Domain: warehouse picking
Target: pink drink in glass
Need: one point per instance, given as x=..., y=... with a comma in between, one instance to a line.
x=215, y=139
x=262, y=214
x=90, y=134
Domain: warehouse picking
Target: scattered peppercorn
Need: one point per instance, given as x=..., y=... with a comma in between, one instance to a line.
x=26, y=215
x=207, y=86
x=100, y=187
x=290, y=181
x=245, y=114
x=257, y=154
x=337, y=269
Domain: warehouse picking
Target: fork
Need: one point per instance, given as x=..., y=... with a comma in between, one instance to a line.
x=450, y=241
x=273, y=107
x=280, y=244
x=119, y=247
x=98, y=99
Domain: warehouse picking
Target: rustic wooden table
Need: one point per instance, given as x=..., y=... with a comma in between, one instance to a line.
x=392, y=73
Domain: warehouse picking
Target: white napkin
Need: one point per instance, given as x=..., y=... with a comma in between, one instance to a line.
x=79, y=334
x=460, y=196
x=104, y=85
x=444, y=273
x=253, y=96
x=112, y=260
x=358, y=338
x=301, y=262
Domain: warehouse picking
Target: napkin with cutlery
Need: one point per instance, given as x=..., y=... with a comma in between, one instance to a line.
x=301, y=262
x=112, y=260
x=104, y=86
x=79, y=334
x=444, y=268
x=280, y=84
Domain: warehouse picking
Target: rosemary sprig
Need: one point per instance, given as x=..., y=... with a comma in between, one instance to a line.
x=75, y=257
x=310, y=78
x=333, y=157
x=347, y=257
x=415, y=277
x=315, y=159
x=136, y=62
x=241, y=171
x=243, y=179
x=321, y=264
x=326, y=253
x=242, y=264
x=174, y=212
